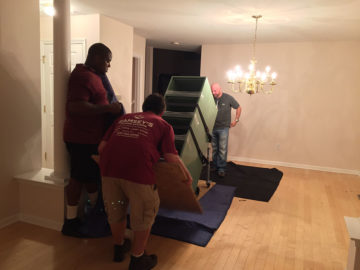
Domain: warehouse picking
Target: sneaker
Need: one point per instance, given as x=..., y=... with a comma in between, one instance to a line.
x=145, y=262
x=72, y=227
x=221, y=173
x=120, y=251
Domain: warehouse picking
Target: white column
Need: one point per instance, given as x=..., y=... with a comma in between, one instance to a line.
x=62, y=66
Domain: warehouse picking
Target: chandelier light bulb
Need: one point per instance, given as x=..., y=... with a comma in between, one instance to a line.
x=230, y=75
x=267, y=69
x=273, y=75
x=251, y=67
x=263, y=76
x=50, y=11
x=239, y=74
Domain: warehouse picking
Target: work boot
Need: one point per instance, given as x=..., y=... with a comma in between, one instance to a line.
x=145, y=262
x=120, y=251
x=72, y=227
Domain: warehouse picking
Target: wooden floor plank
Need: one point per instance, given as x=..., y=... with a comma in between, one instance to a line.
x=301, y=227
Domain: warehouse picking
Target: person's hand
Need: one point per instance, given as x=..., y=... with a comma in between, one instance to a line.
x=233, y=124
x=188, y=181
x=115, y=108
x=96, y=158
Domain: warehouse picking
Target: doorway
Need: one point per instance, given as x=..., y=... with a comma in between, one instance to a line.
x=135, y=89
x=78, y=51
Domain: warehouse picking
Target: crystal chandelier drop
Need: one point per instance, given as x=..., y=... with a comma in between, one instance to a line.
x=253, y=81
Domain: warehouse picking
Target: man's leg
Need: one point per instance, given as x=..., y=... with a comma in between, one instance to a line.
x=72, y=222
x=140, y=242
x=116, y=205
x=121, y=245
x=139, y=259
x=144, y=204
x=91, y=173
x=73, y=192
x=214, y=145
x=222, y=150
x=93, y=194
x=118, y=232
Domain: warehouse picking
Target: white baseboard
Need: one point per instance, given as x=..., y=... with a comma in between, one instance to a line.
x=9, y=220
x=295, y=165
x=42, y=222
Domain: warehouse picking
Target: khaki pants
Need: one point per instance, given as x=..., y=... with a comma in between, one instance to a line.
x=143, y=199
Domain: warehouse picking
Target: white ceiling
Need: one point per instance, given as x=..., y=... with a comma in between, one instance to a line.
x=196, y=22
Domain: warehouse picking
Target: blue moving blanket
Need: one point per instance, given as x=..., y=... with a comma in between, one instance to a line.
x=196, y=228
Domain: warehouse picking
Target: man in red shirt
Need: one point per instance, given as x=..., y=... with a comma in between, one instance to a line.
x=88, y=111
x=128, y=152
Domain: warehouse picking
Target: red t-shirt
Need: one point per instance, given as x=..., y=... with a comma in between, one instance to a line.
x=85, y=85
x=134, y=144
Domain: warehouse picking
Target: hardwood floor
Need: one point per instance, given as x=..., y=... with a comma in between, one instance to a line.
x=302, y=227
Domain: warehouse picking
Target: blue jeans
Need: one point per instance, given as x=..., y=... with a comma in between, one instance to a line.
x=220, y=148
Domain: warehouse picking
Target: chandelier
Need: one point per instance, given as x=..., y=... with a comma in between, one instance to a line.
x=253, y=81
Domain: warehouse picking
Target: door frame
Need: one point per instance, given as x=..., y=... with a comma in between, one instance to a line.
x=136, y=80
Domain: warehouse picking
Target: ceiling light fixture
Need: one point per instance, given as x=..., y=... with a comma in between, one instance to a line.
x=48, y=9
x=254, y=80
x=175, y=43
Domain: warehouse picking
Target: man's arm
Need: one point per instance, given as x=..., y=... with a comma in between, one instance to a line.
x=101, y=147
x=84, y=108
x=237, y=116
x=173, y=158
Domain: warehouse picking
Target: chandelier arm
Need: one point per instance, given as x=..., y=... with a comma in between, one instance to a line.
x=254, y=45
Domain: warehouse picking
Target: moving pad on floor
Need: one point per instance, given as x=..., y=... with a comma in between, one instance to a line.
x=196, y=228
x=253, y=183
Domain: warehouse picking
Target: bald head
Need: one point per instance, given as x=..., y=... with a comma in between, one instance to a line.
x=216, y=90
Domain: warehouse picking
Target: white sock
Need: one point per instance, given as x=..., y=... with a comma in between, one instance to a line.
x=71, y=211
x=138, y=256
x=93, y=197
x=123, y=241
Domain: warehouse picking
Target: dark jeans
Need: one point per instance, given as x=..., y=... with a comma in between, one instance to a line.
x=220, y=148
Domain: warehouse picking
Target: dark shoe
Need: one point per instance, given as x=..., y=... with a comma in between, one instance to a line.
x=145, y=262
x=120, y=251
x=72, y=227
x=221, y=173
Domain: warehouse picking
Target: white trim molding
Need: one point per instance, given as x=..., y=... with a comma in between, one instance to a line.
x=295, y=165
x=8, y=221
x=42, y=222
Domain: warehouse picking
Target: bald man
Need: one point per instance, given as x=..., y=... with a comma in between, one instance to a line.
x=223, y=123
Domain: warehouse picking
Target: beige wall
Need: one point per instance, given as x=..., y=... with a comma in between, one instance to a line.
x=82, y=27
x=313, y=116
x=119, y=38
x=139, y=52
x=20, y=118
